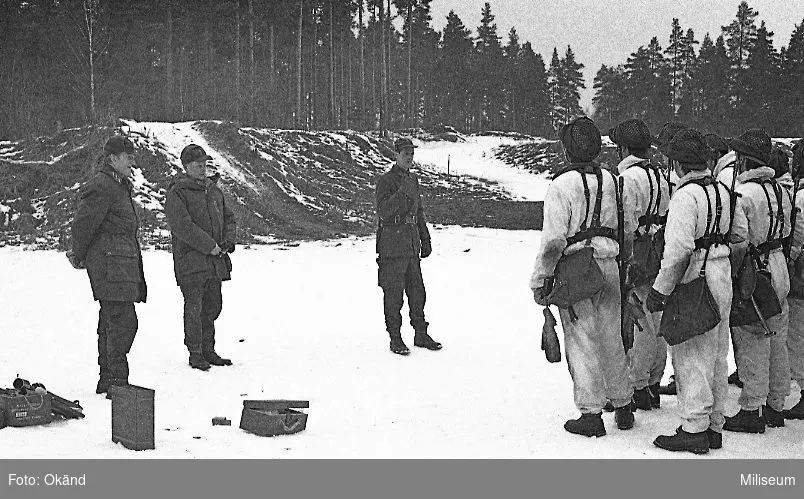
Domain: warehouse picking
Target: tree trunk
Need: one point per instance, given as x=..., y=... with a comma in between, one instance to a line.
x=410, y=61
x=314, y=74
x=169, y=63
x=238, y=93
x=362, y=62
x=347, y=33
x=383, y=71
x=332, y=117
x=374, y=68
x=251, y=60
x=299, y=66
x=271, y=97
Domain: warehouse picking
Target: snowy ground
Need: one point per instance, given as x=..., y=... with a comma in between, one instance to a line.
x=306, y=323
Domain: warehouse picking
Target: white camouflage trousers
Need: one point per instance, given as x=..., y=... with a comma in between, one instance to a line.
x=700, y=363
x=763, y=363
x=594, y=348
x=795, y=341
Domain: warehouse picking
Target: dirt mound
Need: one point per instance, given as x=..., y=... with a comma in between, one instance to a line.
x=281, y=184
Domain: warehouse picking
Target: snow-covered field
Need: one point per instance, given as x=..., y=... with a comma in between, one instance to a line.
x=305, y=322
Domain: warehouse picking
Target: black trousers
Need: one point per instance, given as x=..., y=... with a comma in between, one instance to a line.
x=117, y=327
x=203, y=303
x=399, y=276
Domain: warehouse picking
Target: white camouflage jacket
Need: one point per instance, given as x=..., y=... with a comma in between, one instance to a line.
x=564, y=209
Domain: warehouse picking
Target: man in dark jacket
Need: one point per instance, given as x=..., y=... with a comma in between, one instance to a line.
x=104, y=241
x=402, y=237
x=202, y=228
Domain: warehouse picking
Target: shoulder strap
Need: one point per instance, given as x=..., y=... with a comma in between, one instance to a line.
x=598, y=198
x=771, y=225
x=584, y=225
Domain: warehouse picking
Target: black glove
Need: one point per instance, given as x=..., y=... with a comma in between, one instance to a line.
x=227, y=246
x=74, y=261
x=426, y=248
x=540, y=294
x=655, y=301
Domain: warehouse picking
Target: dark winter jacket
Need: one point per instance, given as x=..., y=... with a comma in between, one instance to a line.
x=104, y=236
x=199, y=219
x=402, y=225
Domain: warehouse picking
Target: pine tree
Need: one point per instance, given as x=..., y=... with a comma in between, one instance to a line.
x=554, y=83
x=488, y=78
x=454, y=75
x=571, y=84
x=740, y=37
x=675, y=53
x=610, y=100
x=761, y=101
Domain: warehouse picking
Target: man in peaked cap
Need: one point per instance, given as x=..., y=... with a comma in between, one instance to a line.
x=594, y=347
x=402, y=240
x=202, y=229
x=645, y=198
x=700, y=363
x=104, y=241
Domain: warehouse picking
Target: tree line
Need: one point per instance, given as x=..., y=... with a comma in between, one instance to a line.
x=736, y=81
x=310, y=64
x=363, y=64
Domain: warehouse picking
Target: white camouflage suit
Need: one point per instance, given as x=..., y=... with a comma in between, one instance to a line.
x=648, y=356
x=761, y=360
x=593, y=346
x=700, y=363
x=795, y=334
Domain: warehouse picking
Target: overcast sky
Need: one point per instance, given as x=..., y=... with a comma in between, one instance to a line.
x=607, y=31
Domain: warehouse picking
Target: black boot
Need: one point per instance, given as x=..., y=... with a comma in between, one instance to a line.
x=624, y=417
x=197, y=361
x=609, y=407
x=670, y=389
x=734, y=379
x=655, y=402
x=745, y=422
x=697, y=443
x=103, y=385
x=641, y=400
x=114, y=382
x=216, y=360
x=397, y=345
x=797, y=411
x=423, y=340
x=590, y=425
x=772, y=418
x=715, y=439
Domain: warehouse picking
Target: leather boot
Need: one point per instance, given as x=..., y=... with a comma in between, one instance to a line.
x=197, y=361
x=216, y=360
x=773, y=419
x=397, y=345
x=423, y=340
x=715, y=439
x=590, y=425
x=697, y=443
x=641, y=400
x=624, y=417
x=114, y=382
x=103, y=385
x=670, y=388
x=745, y=422
x=797, y=411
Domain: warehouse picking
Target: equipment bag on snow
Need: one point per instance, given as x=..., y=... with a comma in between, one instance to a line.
x=691, y=310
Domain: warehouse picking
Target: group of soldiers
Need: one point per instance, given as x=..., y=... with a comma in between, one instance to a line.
x=684, y=256
x=105, y=242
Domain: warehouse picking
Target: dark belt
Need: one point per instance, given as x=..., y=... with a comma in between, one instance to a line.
x=711, y=240
x=768, y=246
x=401, y=220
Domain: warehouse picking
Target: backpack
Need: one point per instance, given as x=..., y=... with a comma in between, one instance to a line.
x=648, y=248
x=577, y=275
x=691, y=309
